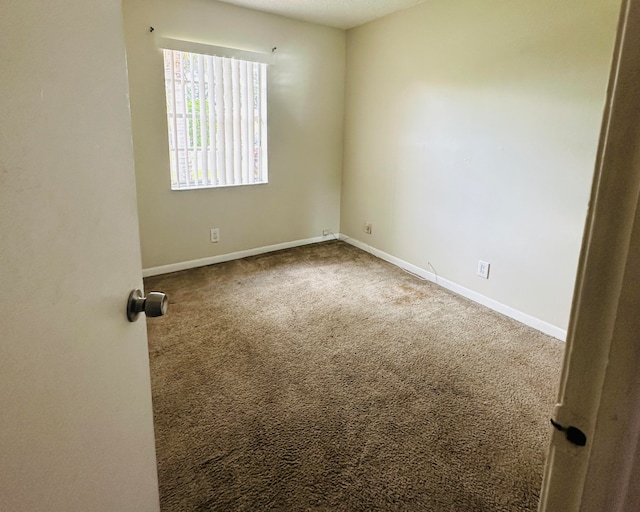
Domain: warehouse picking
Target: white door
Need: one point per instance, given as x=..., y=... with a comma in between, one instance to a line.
x=600, y=388
x=76, y=427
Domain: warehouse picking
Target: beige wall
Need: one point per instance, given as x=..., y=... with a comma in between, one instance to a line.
x=306, y=92
x=471, y=131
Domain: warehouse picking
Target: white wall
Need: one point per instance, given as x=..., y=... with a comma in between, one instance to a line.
x=471, y=131
x=306, y=93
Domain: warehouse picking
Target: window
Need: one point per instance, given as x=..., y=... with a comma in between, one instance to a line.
x=217, y=119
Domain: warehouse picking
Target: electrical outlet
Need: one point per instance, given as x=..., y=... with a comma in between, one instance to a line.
x=326, y=232
x=367, y=228
x=483, y=269
x=215, y=235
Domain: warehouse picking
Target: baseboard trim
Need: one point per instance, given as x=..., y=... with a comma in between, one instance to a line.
x=212, y=260
x=521, y=317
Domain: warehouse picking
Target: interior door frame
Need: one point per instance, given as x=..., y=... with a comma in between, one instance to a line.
x=599, y=391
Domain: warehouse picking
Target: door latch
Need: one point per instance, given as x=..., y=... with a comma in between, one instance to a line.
x=574, y=435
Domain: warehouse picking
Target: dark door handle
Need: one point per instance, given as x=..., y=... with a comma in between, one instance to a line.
x=154, y=304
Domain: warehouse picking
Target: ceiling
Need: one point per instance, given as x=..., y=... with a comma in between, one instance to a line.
x=343, y=14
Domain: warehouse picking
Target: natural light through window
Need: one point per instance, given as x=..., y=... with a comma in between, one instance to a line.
x=217, y=120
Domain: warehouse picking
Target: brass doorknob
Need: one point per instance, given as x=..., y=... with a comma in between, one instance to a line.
x=154, y=304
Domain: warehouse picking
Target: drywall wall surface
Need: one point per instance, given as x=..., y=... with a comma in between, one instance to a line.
x=305, y=128
x=471, y=131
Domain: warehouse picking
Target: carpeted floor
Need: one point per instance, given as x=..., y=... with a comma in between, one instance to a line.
x=321, y=378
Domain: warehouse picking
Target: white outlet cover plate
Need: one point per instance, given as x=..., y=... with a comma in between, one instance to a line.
x=483, y=269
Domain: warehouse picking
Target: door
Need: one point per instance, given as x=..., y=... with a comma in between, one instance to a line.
x=76, y=426
x=600, y=389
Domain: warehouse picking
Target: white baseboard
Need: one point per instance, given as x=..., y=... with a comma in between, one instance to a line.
x=203, y=262
x=521, y=317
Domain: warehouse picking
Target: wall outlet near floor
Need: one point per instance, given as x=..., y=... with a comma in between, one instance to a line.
x=326, y=232
x=215, y=235
x=483, y=269
x=367, y=228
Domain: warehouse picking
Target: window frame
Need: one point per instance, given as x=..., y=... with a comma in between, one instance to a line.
x=228, y=170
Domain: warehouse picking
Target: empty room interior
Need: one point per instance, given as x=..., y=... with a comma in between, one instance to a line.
x=455, y=140
x=438, y=159
x=399, y=241
x=461, y=132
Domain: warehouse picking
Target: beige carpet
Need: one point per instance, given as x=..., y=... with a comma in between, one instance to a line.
x=321, y=378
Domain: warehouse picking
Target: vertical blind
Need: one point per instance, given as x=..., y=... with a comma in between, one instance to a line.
x=217, y=119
